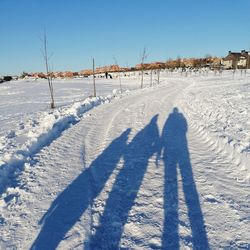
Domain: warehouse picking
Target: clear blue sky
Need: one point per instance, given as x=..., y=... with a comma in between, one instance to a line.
x=78, y=30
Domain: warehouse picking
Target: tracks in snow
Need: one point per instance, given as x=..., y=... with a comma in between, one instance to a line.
x=123, y=192
x=225, y=200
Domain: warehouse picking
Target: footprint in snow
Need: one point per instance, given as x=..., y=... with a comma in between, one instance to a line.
x=210, y=198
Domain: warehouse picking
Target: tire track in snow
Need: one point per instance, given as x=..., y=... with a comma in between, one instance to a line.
x=81, y=229
x=39, y=185
x=142, y=110
x=218, y=173
x=58, y=165
x=223, y=197
x=217, y=116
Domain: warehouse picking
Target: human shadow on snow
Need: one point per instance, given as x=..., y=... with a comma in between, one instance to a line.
x=176, y=157
x=68, y=207
x=126, y=187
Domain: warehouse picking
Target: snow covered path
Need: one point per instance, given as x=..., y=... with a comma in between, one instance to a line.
x=132, y=174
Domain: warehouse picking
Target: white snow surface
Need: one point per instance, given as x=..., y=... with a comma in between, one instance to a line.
x=164, y=167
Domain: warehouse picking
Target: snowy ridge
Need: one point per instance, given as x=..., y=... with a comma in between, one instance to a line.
x=221, y=117
x=18, y=147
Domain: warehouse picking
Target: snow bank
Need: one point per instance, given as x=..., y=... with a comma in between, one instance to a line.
x=23, y=97
x=19, y=146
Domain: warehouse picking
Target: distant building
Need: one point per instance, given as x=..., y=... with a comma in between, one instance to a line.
x=237, y=60
x=110, y=68
x=141, y=66
x=85, y=73
x=148, y=66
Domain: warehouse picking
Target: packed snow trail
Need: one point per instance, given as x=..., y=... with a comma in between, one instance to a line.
x=133, y=174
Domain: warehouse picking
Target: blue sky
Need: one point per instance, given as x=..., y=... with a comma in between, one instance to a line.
x=79, y=30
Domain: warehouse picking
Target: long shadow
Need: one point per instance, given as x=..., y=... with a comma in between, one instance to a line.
x=176, y=155
x=126, y=187
x=15, y=169
x=68, y=207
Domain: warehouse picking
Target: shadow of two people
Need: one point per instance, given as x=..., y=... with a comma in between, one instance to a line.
x=68, y=207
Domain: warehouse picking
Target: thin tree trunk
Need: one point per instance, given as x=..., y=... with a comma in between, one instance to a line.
x=142, y=64
x=158, y=76
x=49, y=75
x=94, y=77
x=119, y=75
x=151, y=78
x=142, y=77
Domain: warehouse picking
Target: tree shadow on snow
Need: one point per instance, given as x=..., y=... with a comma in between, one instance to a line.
x=126, y=186
x=176, y=157
x=68, y=207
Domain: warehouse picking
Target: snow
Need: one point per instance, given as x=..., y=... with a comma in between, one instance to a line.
x=23, y=98
x=219, y=108
x=164, y=167
x=21, y=140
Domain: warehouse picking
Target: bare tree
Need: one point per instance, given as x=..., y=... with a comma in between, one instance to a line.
x=119, y=75
x=48, y=69
x=143, y=57
x=94, y=77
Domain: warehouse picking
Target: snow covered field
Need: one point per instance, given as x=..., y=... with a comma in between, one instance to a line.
x=219, y=108
x=165, y=167
x=20, y=99
x=27, y=124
